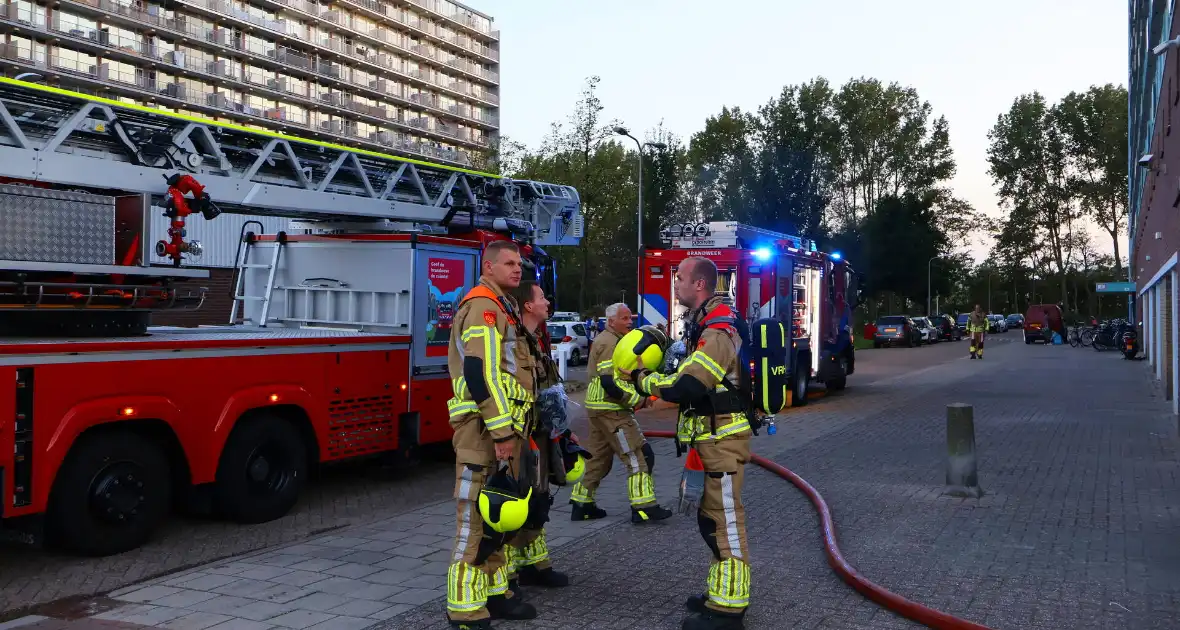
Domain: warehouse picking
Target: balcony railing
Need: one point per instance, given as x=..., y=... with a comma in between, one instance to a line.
x=319, y=123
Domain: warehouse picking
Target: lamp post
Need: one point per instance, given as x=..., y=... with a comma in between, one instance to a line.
x=929, y=264
x=622, y=131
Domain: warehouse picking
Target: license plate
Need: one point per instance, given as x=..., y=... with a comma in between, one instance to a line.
x=892, y=330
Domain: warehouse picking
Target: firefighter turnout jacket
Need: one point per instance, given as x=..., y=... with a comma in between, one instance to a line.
x=492, y=401
x=713, y=420
x=614, y=431
x=977, y=322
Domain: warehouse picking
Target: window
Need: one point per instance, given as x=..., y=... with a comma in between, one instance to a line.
x=580, y=330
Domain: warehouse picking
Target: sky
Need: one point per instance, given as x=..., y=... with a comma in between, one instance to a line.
x=681, y=61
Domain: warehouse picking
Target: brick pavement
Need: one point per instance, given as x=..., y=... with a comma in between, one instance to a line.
x=1078, y=455
x=1073, y=531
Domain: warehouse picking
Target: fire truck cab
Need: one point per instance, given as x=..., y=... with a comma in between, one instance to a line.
x=764, y=274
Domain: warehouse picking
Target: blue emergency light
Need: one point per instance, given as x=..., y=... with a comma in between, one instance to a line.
x=762, y=253
x=835, y=255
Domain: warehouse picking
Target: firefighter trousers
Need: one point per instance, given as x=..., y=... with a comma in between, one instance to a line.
x=478, y=568
x=722, y=521
x=977, y=344
x=617, y=433
x=528, y=546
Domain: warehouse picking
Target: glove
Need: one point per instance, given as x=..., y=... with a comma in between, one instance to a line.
x=637, y=377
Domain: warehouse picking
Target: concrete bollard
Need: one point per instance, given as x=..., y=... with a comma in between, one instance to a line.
x=962, y=478
x=561, y=355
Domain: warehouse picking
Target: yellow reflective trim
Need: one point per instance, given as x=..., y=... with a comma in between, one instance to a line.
x=236, y=127
x=491, y=365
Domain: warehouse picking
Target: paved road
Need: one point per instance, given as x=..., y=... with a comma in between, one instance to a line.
x=1073, y=529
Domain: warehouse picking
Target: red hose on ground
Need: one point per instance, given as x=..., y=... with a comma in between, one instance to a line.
x=892, y=601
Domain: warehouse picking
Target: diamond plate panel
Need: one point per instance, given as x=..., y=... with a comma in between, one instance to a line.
x=38, y=224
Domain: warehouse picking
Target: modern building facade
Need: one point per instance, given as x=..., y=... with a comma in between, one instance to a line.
x=1153, y=168
x=411, y=77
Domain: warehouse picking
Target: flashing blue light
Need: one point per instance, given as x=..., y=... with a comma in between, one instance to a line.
x=762, y=253
x=836, y=255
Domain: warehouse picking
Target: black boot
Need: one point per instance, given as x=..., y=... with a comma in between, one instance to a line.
x=501, y=607
x=587, y=512
x=648, y=514
x=482, y=624
x=710, y=619
x=547, y=578
x=696, y=603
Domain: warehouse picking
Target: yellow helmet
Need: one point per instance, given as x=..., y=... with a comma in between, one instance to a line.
x=502, y=504
x=641, y=348
x=575, y=469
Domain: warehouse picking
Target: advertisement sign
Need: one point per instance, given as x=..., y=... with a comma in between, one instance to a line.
x=444, y=279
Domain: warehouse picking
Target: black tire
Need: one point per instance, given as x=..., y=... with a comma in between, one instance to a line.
x=1027, y=341
x=841, y=381
x=799, y=383
x=877, y=344
x=111, y=494
x=575, y=357
x=262, y=471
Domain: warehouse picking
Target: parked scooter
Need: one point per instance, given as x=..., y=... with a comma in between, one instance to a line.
x=1131, y=344
x=1110, y=335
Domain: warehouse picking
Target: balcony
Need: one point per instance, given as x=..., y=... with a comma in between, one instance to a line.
x=279, y=56
x=96, y=77
x=456, y=18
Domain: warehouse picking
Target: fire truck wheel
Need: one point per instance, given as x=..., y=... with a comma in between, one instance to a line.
x=841, y=381
x=111, y=494
x=799, y=384
x=262, y=470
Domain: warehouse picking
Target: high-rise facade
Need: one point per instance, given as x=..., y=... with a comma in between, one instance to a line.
x=418, y=78
x=1154, y=180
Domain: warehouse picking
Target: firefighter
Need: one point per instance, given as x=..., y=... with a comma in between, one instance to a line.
x=487, y=413
x=528, y=553
x=715, y=422
x=610, y=405
x=977, y=328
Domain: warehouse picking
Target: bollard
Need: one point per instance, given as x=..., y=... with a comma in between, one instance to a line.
x=561, y=355
x=962, y=478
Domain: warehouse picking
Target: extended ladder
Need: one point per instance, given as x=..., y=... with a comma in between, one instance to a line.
x=53, y=135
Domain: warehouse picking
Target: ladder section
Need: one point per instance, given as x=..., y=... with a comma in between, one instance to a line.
x=331, y=304
x=56, y=136
x=245, y=263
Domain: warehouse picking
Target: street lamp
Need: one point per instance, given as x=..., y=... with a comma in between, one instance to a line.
x=929, y=263
x=622, y=131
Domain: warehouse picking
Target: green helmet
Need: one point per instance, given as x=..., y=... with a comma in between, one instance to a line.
x=641, y=348
x=502, y=504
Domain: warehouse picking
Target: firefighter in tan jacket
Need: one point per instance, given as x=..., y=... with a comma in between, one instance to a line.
x=610, y=404
x=488, y=414
x=528, y=552
x=712, y=418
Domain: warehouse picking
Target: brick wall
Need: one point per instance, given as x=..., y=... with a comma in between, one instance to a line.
x=216, y=308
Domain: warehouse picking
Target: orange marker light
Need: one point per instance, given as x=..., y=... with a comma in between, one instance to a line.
x=403, y=387
x=274, y=398
x=127, y=411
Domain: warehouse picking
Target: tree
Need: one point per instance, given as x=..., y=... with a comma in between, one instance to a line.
x=1094, y=125
x=723, y=165
x=900, y=237
x=1028, y=161
x=887, y=146
x=663, y=183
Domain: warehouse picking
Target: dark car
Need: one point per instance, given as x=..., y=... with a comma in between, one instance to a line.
x=961, y=323
x=947, y=330
x=897, y=330
x=1015, y=320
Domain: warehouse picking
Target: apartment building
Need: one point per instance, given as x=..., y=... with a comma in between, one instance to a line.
x=411, y=77
x=1153, y=168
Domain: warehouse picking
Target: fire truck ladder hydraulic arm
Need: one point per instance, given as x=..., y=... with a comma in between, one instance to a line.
x=61, y=137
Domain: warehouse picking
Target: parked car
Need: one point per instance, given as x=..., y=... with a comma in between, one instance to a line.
x=565, y=316
x=1015, y=320
x=961, y=323
x=571, y=335
x=897, y=330
x=929, y=332
x=997, y=324
x=947, y=330
x=1041, y=321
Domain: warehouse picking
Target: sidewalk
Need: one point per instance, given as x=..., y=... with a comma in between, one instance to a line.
x=1078, y=456
x=1078, y=529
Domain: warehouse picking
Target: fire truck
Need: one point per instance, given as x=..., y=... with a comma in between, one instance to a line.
x=764, y=274
x=336, y=348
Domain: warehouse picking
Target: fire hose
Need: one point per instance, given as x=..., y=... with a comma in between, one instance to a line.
x=891, y=601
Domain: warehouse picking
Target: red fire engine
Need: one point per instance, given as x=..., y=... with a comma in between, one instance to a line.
x=764, y=274
x=338, y=349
